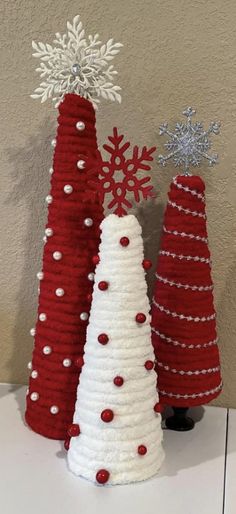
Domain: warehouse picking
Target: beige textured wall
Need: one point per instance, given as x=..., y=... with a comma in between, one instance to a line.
x=176, y=53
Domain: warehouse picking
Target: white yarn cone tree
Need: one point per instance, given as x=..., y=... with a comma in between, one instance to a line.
x=116, y=431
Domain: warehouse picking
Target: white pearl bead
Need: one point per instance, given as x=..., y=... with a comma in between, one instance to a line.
x=68, y=189
x=34, y=397
x=54, y=409
x=84, y=316
x=34, y=374
x=48, y=199
x=51, y=171
x=27, y=391
x=32, y=332
x=42, y=316
x=29, y=365
x=80, y=164
x=59, y=291
x=91, y=277
x=45, y=239
x=57, y=256
x=49, y=232
x=88, y=222
x=53, y=143
x=66, y=363
x=47, y=350
x=40, y=275
x=80, y=125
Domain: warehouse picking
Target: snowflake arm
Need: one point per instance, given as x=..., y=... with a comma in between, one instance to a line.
x=76, y=65
x=189, y=144
x=125, y=169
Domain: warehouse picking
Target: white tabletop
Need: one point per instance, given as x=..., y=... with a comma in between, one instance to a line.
x=230, y=478
x=34, y=477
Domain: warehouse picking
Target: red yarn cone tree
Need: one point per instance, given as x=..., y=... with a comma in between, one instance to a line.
x=72, y=236
x=183, y=315
x=72, y=233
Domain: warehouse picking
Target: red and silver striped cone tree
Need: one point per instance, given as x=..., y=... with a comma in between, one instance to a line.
x=183, y=315
x=72, y=235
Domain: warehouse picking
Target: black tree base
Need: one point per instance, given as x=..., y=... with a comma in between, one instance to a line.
x=180, y=422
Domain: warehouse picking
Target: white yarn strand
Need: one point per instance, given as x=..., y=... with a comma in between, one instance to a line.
x=184, y=286
x=194, y=395
x=195, y=372
x=188, y=190
x=184, y=345
x=186, y=211
x=182, y=316
x=184, y=234
x=186, y=257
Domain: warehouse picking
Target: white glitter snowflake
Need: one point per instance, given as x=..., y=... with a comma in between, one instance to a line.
x=76, y=65
x=189, y=144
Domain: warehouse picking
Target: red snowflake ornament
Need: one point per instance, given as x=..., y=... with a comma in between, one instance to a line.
x=126, y=169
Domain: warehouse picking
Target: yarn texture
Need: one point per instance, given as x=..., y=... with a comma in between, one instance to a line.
x=183, y=315
x=72, y=239
x=120, y=432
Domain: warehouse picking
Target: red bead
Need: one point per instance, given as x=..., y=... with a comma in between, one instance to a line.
x=149, y=365
x=147, y=264
x=67, y=444
x=140, y=317
x=107, y=415
x=79, y=362
x=73, y=430
x=103, y=338
x=124, y=241
x=103, y=285
x=118, y=381
x=96, y=259
x=142, y=450
x=89, y=297
x=158, y=407
x=102, y=476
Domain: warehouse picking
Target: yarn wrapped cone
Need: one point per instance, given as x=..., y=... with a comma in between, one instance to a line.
x=67, y=275
x=117, y=421
x=183, y=315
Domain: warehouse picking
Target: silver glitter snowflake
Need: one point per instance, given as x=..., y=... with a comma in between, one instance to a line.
x=77, y=65
x=189, y=143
